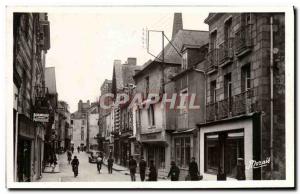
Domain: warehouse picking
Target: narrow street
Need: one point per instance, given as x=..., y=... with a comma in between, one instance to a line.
x=87, y=172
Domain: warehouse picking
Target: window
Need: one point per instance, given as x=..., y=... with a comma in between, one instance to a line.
x=228, y=89
x=184, y=60
x=82, y=134
x=213, y=40
x=246, y=78
x=228, y=33
x=184, y=94
x=182, y=151
x=223, y=149
x=151, y=115
x=213, y=93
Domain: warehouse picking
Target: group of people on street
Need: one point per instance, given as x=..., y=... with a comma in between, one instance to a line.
x=173, y=174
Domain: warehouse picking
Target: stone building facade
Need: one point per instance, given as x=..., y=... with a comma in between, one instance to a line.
x=31, y=40
x=245, y=118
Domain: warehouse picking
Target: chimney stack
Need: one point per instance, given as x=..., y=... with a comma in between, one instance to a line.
x=131, y=61
x=177, y=24
x=117, y=62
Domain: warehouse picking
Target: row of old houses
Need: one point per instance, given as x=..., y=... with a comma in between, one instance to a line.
x=235, y=70
x=40, y=121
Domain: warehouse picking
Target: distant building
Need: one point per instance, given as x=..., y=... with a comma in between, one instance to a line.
x=64, y=115
x=79, y=125
x=92, y=127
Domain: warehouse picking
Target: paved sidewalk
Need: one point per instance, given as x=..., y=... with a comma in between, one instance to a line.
x=53, y=169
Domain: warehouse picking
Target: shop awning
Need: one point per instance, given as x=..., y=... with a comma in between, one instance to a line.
x=184, y=131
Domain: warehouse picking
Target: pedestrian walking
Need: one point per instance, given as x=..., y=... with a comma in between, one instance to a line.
x=132, y=168
x=69, y=154
x=152, y=172
x=193, y=170
x=174, y=172
x=54, y=160
x=142, y=167
x=110, y=163
x=75, y=165
x=99, y=163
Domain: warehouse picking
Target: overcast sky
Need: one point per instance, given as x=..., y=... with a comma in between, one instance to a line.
x=84, y=45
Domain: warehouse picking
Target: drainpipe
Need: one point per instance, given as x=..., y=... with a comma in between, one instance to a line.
x=205, y=87
x=271, y=97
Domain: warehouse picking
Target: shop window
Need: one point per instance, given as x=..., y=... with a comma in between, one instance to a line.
x=182, y=151
x=223, y=151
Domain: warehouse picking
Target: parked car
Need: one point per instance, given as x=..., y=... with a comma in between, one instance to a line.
x=94, y=154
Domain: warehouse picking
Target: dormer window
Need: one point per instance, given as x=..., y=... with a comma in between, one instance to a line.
x=184, y=64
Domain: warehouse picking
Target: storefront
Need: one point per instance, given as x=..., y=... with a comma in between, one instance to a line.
x=223, y=144
x=184, y=147
x=155, y=148
x=25, y=151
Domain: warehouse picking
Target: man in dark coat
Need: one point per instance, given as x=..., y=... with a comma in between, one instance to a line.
x=193, y=170
x=110, y=163
x=75, y=164
x=152, y=172
x=142, y=166
x=174, y=172
x=132, y=168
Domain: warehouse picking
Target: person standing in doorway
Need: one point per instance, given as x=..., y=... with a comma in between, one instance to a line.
x=142, y=166
x=193, y=170
x=174, y=172
x=132, y=168
x=152, y=172
x=110, y=163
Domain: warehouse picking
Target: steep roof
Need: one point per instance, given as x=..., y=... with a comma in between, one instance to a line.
x=183, y=37
x=50, y=80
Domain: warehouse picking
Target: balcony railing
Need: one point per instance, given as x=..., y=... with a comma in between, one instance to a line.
x=236, y=105
x=211, y=111
x=212, y=58
x=243, y=39
x=226, y=51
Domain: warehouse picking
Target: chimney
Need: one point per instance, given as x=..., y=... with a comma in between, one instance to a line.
x=117, y=62
x=177, y=24
x=79, y=105
x=131, y=61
